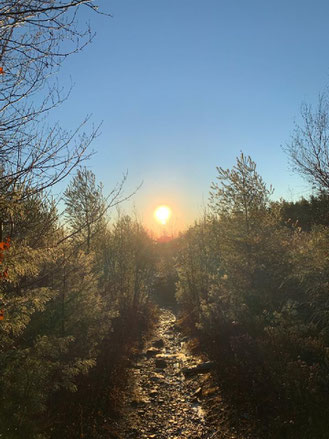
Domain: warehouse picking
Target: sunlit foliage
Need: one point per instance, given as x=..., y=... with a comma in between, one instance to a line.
x=253, y=285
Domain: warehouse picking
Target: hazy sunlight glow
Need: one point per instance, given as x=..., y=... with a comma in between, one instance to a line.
x=162, y=214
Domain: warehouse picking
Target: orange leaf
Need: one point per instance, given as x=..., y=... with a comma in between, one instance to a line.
x=4, y=274
x=4, y=245
x=1, y=71
x=2, y=314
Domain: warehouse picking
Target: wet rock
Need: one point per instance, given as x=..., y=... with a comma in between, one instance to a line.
x=211, y=391
x=134, y=433
x=134, y=403
x=200, y=368
x=159, y=343
x=139, y=402
x=156, y=377
x=135, y=366
x=152, y=352
x=198, y=392
x=160, y=363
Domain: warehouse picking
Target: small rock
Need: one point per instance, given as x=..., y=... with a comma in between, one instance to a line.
x=152, y=352
x=134, y=403
x=200, y=368
x=158, y=343
x=198, y=392
x=157, y=377
x=211, y=391
x=136, y=366
x=160, y=363
x=139, y=402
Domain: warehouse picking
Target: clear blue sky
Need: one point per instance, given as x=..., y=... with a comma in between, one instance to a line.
x=183, y=85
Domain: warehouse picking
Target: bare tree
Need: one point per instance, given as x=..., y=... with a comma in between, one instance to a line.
x=35, y=37
x=308, y=150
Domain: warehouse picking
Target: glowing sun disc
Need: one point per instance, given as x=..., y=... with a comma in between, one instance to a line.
x=162, y=214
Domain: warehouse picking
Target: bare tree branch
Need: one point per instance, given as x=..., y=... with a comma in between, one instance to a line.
x=308, y=150
x=36, y=36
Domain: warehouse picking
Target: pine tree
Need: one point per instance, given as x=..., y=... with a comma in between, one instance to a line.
x=241, y=191
x=85, y=208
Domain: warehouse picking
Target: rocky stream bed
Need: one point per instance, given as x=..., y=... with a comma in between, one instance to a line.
x=171, y=393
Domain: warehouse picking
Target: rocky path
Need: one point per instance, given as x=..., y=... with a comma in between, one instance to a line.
x=169, y=390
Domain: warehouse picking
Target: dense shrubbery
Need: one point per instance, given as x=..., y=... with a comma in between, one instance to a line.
x=69, y=308
x=73, y=289
x=255, y=287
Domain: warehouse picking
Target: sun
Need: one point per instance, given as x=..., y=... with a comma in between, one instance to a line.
x=162, y=214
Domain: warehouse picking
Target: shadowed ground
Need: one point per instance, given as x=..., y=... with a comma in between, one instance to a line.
x=171, y=392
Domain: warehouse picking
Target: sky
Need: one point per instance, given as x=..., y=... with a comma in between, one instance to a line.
x=183, y=86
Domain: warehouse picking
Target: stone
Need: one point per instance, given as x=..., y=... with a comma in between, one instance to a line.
x=206, y=366
x=152, y=352
x=200, y=368
x=159, y=343
x=160, y=363
x=198, y=392
x=136, y=366
x=156, y=377
x=139, y=402
x=211, y=391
